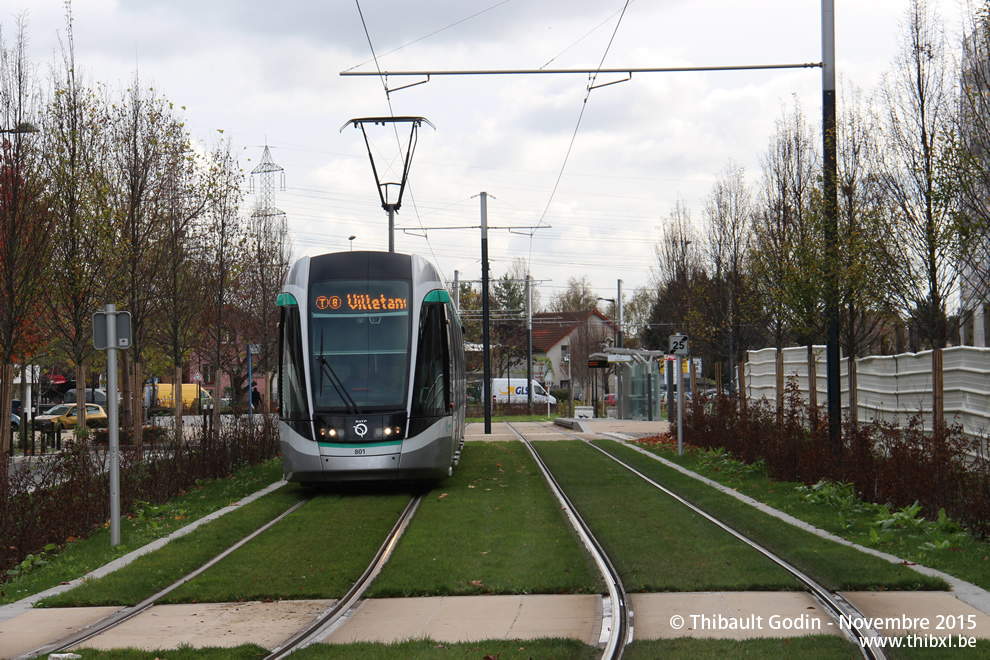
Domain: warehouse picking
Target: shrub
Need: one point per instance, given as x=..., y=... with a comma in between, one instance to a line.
x=69, y=495
x=898, y=467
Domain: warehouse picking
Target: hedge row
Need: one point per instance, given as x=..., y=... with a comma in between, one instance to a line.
x=68, y=495
x=886, y=464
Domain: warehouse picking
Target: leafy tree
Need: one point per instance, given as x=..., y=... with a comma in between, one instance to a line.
x=75, y=166
x=149, y=167
x=508, y=319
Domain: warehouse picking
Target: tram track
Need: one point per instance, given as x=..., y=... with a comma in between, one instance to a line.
x=832, y=602
x=617, y=617
x=310, y=633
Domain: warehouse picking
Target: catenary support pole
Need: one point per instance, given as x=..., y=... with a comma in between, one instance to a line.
x=831, y=230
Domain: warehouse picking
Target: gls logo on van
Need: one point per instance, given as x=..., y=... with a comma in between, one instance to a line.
x=519, y=390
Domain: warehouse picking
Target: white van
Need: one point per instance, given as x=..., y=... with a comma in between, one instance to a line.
x=514, y=390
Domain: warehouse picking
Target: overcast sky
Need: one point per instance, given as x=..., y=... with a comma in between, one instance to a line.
x=268, y=73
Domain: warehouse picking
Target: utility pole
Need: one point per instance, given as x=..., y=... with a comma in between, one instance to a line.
x=485, y=336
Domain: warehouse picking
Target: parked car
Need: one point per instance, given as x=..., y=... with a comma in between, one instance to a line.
x=15, y=422
x=64, y=416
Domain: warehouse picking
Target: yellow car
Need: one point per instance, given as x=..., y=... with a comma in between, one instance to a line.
x=63, y=416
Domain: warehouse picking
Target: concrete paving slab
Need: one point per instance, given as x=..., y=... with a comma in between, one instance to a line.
x=471, y=618
x=217, y=625
x=728, y=615
x=500, y=433
x=35, y=628
x=934, y=613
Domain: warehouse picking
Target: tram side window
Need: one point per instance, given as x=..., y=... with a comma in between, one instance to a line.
x=431, y=396
x=292, y=390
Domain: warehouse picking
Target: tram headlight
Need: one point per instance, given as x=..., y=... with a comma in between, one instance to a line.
x=388, y=431
x=332, y=433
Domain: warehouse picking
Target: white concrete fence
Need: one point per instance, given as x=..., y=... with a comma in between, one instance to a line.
x=890, y=388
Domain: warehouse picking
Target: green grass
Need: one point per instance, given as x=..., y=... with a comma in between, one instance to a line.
x=318, y=551
x=154, y=571
x=825, y=647
x=981, y=650
x=835, y=510
x=426, y=649
x=835, y=566
x=656, y=543
x=78, y=557
x=491, y=528
x=513, y=418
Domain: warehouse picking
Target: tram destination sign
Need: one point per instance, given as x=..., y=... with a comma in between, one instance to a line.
x=362, y=302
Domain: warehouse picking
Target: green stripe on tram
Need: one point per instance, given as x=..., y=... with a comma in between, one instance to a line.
x=285, y=300
x=437, y=295
x=350, y=445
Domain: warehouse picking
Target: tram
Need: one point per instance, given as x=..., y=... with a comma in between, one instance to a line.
x=371, y=376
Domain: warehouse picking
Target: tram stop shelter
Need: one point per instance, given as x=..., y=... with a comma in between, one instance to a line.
x=639, y=377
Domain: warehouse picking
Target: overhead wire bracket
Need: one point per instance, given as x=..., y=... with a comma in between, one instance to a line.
x=389, y=90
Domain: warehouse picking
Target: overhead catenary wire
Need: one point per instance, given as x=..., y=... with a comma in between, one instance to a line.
x=577, y=126
x=388, y=99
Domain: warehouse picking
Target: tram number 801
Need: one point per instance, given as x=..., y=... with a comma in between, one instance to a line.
x=359, y=452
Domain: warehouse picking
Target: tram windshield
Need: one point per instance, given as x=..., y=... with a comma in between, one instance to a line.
x=360, y=333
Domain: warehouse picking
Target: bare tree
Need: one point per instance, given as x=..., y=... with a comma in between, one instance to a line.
x=788, y=242
x=728, y=211
x=577, y=297
x=974, y=141
x=24, y=220
x=865, y=238
x=917, y=171
x=271, y=252
x=674, y=278
x=222, y=237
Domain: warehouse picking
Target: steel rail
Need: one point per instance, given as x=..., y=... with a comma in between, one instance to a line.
x=127, y=613
x=617, y=615
x=835, y=605
x=322, y=625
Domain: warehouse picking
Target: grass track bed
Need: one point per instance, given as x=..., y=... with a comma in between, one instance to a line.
x=491, y=528
x=824, y=647
x=655, y=542
x=79, y=557
x=318, y=551
x=835, y=566
x=154, y=571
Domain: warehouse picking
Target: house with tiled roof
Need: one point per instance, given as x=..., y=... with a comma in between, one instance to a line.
x=559, y=335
